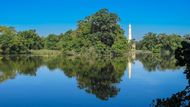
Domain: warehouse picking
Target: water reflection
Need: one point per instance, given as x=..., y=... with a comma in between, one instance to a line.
x=181, y=98
x=97, y=76
x=10, y=66
x=154, y=62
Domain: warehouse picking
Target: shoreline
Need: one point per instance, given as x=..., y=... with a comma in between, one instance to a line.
x=45, y=52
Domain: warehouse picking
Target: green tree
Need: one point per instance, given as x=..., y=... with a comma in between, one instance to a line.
x=159, y=42
x=10, y=43
x=97, y=33
x=32, y=39
x=51, y=42
x=102, y=24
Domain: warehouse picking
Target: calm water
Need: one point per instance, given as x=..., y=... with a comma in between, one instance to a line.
x=57, y=81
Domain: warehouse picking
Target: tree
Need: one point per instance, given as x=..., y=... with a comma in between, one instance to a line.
x=51, y=42
x=10, y=43
x=98, y=33
x=32, y=39
x=157, y=42
x=102, y=24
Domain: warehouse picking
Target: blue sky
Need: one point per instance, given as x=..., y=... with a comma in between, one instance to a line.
x=57, y=16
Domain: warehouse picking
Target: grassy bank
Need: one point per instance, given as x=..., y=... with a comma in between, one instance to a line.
x=85, y=53
x=45, y=52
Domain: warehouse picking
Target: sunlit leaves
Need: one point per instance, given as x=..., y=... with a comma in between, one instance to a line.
x=157, y=42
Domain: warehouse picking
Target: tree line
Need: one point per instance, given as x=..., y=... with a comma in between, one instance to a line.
x=98, y=33
x=161, y=42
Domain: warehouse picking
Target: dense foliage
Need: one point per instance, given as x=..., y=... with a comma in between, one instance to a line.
x=31, y=39
x=157, y=42
x=10, y=42
x=99, y=33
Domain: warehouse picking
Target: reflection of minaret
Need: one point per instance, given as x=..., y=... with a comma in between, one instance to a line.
x=130, y=33
x=130, y=63
x=129, y=69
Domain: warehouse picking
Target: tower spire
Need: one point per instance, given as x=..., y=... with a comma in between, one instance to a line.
x=130, y=33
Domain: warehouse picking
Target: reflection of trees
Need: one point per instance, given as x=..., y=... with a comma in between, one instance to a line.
x=98, y=76
x=95, y=76
x=99, y=81
x=153, y=62
x=182, y=98
x=12, y=65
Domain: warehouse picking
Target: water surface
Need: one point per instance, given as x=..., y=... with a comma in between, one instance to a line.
x=56, y=81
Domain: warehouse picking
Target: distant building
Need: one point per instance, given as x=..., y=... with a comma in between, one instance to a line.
x=130, y=39
x=130, y=33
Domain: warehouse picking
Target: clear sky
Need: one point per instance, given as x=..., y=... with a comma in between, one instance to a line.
x=57, y=16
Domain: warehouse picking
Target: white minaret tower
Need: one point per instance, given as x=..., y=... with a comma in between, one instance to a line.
x=130, y=33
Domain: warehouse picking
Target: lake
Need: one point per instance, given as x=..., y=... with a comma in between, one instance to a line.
x=136, y=80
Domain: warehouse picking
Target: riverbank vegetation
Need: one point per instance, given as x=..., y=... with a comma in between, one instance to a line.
x=160, y=42
x=98, y=34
